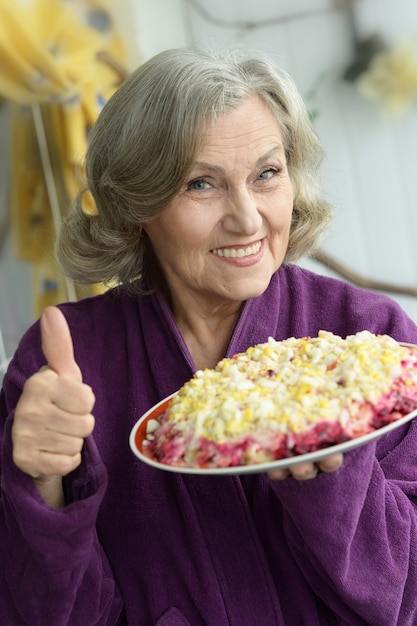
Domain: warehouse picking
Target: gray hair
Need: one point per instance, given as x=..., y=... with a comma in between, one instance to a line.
x=143, y=146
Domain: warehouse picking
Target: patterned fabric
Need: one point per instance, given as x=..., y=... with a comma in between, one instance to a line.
x=60, y=60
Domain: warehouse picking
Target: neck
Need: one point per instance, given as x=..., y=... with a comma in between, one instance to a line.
x=207, y=336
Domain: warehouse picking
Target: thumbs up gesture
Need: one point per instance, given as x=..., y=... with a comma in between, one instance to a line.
x=53, y=415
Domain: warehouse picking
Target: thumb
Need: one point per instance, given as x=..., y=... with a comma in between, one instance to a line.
x=57, y=343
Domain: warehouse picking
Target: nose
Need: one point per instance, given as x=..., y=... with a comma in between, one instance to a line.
x=242, y=212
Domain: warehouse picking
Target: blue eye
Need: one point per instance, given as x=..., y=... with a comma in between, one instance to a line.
x=198, y=184
x=266, y=174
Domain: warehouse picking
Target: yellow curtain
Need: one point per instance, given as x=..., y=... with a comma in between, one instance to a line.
x=60, y=60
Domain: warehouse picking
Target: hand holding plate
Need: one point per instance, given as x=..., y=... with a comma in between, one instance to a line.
x=308, y=470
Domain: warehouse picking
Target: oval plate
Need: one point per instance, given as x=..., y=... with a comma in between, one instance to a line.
x=138, y=434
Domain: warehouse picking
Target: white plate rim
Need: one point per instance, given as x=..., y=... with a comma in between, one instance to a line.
x=311, y=457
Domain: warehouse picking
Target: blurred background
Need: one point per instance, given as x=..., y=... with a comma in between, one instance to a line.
x=354, y=61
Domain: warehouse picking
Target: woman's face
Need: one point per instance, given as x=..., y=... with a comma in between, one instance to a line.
x=224, y=235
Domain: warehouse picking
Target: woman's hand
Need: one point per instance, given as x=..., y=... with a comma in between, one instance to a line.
x=53, y=415
x=306, y=471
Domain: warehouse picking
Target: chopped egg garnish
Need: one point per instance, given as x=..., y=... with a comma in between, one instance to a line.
x=260, y=404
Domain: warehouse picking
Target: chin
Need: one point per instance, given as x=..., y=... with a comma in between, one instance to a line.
x=247, y=292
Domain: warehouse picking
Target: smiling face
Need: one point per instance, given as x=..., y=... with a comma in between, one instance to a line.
x=223, y=236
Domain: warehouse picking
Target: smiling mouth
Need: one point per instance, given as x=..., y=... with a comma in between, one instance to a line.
x=237, y=253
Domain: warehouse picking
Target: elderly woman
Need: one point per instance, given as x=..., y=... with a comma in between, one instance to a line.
x=203, y=173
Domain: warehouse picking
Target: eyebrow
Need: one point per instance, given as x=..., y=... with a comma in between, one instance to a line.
x=217, y=168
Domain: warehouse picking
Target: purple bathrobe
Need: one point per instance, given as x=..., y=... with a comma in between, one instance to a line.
x=139, y=546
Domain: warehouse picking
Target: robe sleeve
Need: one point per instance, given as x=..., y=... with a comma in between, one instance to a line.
x=353, y=532
x=53, y=569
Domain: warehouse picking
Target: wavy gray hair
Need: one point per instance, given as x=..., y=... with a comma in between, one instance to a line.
x=143, y=146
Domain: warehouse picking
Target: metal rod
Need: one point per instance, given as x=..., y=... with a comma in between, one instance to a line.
x=50, y=183
x=361, y=281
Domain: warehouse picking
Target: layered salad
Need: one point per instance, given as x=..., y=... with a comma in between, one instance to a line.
x=284, y=398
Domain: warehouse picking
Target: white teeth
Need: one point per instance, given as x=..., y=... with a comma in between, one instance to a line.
x=237, y=253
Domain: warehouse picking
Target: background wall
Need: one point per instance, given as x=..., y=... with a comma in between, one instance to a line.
x=369, y=170
x=15, y=278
